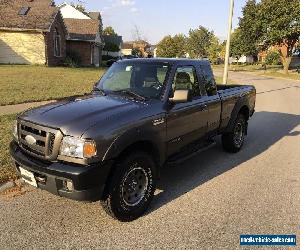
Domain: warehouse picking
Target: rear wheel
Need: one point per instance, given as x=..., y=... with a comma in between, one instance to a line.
x=132, y=187
x=234, y=140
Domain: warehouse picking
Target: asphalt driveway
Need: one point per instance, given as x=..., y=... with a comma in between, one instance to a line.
x=205, y=203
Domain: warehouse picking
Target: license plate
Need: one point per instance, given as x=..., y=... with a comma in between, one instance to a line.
x=28, y=177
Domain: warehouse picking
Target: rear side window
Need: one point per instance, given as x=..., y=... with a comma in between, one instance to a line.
x=186, y=79
x=208, y=80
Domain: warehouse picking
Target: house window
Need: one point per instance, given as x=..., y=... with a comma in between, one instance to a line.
x=57, y=43
x=23, y=11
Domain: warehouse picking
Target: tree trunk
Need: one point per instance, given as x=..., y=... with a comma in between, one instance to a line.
x=286, y=61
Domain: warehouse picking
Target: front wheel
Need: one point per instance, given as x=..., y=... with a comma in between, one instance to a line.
x=132, y=187
x=234, y=140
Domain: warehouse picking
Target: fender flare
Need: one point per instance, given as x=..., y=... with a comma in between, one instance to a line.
x=132, y=137
x=240, y=104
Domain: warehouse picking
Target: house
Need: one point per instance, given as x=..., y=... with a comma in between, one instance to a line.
x=127, y=49
x=243, y=59
x=140, y=45
x=31, y=32
x=84, y=40
x=113, y=45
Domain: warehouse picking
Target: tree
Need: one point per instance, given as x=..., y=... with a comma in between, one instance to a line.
x=109, y=31
x=199, y=42
x=172, y=46
x=214, y=50
x=112, y=47
x=136, y=52
x=280, y=24
x=249, y=31
x=237, y=44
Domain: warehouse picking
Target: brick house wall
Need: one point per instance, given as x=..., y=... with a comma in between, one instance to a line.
x=82, y=49
x=58, y=25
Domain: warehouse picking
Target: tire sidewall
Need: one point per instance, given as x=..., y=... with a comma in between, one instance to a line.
x=240, y=119
x=120, y=208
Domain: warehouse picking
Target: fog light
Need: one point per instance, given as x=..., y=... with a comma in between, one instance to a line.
x=69, y=185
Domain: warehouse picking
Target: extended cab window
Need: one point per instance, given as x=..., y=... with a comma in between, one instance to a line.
x=186, y=79
x=208, y=80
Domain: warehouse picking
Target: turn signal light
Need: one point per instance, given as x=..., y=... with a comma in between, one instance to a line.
x=89, y=149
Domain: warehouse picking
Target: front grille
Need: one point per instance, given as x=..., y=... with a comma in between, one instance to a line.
x=38, y=140
x=51, y=142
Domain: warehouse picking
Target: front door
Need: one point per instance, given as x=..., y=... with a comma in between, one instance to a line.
x=186, y=122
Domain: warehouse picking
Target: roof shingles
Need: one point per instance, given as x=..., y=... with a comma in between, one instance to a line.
x=82, y=29
x=40, y=16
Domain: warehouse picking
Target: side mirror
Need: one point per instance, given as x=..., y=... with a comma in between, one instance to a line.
x=180, y=96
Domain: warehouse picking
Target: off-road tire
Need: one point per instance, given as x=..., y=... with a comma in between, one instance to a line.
x=233, y=141
x=117, y=204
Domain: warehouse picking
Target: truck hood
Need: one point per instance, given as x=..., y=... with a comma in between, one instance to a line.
x=74, y=116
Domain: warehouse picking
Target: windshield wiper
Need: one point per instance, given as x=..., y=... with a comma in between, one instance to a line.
x=101, y=91
x=131, y=93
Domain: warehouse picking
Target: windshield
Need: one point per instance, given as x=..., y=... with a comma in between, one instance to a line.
x=144, y=79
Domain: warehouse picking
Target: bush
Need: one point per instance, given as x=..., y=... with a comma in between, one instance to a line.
x=72, y=60
x=273, y=58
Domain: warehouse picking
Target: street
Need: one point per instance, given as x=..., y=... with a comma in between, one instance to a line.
x=206, y=203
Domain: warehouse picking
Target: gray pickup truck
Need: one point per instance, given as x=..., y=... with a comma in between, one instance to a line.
x=111, y=144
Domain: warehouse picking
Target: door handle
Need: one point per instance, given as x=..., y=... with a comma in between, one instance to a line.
x=203, y=107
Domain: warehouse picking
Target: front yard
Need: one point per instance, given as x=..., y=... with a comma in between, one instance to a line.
x=6, y=169
x=19, y=84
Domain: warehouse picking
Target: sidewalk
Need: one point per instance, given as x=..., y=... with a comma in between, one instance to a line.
x=17, y=108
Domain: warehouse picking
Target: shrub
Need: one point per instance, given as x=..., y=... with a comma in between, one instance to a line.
x=72, y=60
x=273, y=58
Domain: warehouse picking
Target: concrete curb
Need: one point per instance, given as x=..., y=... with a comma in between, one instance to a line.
x=11, y=184
x=7, y=185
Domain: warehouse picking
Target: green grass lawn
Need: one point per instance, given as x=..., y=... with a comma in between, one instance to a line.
x=275, y=71
x=7, y=171
x=19, y=84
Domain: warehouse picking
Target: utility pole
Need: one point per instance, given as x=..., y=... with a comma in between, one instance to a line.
x=225, y=76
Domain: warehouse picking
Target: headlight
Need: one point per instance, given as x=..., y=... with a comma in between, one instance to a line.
x=15, y=130
x=77, y=148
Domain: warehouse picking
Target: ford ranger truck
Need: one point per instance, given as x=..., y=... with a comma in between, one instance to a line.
x=143, y=114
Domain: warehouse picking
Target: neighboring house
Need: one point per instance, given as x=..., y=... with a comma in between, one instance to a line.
x=115, y=40
x=127, y=49
x=141, y=45
x=68, y=11
x=295, y=62
x=31, y=32
x=242, y=59
x=84, y=39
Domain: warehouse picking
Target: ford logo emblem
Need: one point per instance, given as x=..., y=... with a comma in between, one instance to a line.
x=30, y=139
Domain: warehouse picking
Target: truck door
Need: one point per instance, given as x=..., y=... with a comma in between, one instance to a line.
x=186, y=122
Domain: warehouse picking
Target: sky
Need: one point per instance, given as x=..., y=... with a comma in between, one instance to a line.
x=158, y=18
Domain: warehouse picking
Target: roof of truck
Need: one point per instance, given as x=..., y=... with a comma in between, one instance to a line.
x=169, y=60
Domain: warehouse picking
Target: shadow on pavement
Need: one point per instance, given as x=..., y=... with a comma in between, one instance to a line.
x=265, y=129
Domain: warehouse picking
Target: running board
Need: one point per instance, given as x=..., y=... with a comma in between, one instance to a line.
x=181, y=157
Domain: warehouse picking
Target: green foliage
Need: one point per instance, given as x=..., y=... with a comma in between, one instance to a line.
x=214, y=50
x=199, y=42
x=111, y=47
x=249, y=30
x=136, y=52
x=109, y=31
x=280, y=26
x=172, y=46
x=273, y=58
x=72, y=60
